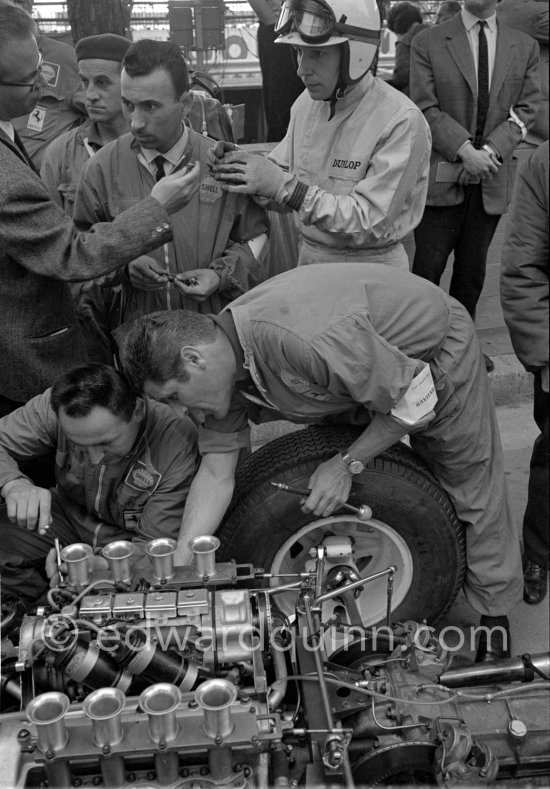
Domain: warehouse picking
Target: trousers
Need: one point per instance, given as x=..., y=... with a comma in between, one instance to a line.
x=465, y=229
x=536, y=528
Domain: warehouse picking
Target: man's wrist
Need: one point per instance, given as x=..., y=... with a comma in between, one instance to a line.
x=465, y=149
x=298, y=196
x=492, y=151
x=7, y=486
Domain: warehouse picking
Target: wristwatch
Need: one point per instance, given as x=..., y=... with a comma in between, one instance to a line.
x=353, y=465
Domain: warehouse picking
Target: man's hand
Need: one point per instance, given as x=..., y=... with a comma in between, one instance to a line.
x=144, y=274
x=28, y=505
x=198, y=284
x=174, y=191
x=330, y=485
x=465, y=179
x=249, y=173
x=213, y=155
x=478, y=163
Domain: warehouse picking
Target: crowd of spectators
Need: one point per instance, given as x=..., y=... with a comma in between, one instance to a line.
x=138, y=212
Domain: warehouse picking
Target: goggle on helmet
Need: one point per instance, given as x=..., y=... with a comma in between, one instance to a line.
x=316, y=23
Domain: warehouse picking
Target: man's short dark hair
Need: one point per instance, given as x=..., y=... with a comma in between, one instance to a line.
x=14, y=24
x=83, y=388
x=151, y=351
x=26, y=5
x=146, y=55
x=402, y=16
x=448, y=8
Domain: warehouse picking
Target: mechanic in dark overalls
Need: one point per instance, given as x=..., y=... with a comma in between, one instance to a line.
x=123, y=468
x=338, y=339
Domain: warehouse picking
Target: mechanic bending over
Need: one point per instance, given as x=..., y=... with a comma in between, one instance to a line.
x=123, y=470
x=354, y=161
x=349, y=341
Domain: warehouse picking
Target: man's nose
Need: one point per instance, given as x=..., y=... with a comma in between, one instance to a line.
x=91, y=92
x=137, y=122
x=304, y=64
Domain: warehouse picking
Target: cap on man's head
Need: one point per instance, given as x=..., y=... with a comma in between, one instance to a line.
x=106, y=46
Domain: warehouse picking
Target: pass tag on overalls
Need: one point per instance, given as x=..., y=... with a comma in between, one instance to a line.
x=418, y=401
x=35, y=121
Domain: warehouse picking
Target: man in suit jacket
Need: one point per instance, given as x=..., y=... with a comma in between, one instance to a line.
x=533, y=17
x=471, y=169
x=41, y=250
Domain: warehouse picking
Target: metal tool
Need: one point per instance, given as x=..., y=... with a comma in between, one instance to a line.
x=191, y=282
x=58, y=557
x=363, y=513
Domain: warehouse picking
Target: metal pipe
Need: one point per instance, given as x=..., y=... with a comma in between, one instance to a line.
x=314, y=636
x=104, y=708
x=113, y=771
x=277, y=694
x=160, y=702
x=220, y=762
x=47, y=711
x=204, y=549
x=507, y=670
x=215, y=697
x=119, y=556
x=337, y=592
x=161, y=552
x=167, y=767
x=77, y=558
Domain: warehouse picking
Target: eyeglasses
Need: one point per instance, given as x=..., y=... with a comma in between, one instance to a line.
x=315, y=22
x=31, y=84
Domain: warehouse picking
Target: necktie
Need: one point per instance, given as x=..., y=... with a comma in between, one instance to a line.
x=482, y=84
x=159, y=164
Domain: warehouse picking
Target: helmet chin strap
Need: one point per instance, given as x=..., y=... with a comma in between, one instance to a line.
x=338, y=93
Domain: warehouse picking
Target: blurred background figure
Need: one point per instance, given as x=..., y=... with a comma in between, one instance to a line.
x=281, y=86
x=446, y=11
x=99, y=65
x=477, y=83
x=524, y=296
x=405, y=20
x=59, y=108
x=531, y=16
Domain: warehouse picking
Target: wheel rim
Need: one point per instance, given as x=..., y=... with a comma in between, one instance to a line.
x=376, y=547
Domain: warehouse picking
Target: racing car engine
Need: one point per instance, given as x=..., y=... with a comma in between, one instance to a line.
x=150, y=675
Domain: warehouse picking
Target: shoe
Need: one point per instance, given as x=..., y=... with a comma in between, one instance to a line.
x=535, y=582
x=489, y=363
x=498, y=646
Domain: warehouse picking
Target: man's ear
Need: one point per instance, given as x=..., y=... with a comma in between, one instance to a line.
x=190, y=355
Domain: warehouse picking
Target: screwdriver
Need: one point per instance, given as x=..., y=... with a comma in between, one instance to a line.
x=364, y=512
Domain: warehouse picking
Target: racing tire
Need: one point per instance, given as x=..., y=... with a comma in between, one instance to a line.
x=414, y=526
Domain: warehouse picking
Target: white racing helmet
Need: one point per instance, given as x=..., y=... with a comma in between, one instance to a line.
x=353, y=23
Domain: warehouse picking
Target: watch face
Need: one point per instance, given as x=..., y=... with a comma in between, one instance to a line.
x=356, y=467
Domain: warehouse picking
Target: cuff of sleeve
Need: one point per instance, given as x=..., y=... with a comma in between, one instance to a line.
x=286, y=188
x=298, y=196
x=462, y=147
x=14, y=479
x=212, y=442
x=225, y=268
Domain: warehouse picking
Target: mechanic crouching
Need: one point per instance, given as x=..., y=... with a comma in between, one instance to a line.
x=123, y=469
x=351, y=342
